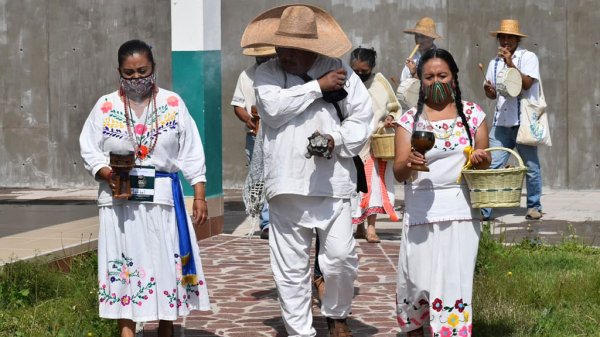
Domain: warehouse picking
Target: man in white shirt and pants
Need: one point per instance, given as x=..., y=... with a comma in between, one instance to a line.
x=305, y=194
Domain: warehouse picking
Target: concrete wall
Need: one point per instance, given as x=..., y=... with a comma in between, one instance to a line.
x=56, y=59
x=562, y=33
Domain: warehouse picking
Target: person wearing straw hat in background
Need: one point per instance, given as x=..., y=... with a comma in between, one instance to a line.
x=307, y=89
x=425, y=34
x=408, y=89
x=506, y=117
x=244, y=107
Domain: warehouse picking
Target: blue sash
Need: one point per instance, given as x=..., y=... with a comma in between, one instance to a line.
x=188, y=265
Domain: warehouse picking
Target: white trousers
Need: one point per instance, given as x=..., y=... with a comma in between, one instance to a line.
x=293, y=220
x=435, y=277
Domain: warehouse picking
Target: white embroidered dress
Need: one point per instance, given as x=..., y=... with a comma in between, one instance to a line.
x=440, y=233
x=139, y=267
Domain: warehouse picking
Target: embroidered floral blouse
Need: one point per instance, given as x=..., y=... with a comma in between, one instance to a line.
x=178, y=147
x=435, y=195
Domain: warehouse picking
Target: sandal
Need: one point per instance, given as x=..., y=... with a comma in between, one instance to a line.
x=338, y=328
x=372, y=235
x=360, y=233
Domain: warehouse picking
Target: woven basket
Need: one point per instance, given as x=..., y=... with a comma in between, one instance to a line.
x=496, y=188
x=382, y=144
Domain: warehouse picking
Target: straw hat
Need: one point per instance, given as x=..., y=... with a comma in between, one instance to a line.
x=260, y=51
x=508, y=27
x=300, y=27
x=425, y=26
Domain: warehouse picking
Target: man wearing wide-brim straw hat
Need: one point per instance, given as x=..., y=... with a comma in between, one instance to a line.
x=506, y=117
x=425, y=33
x=244, y=107
x=298, y=94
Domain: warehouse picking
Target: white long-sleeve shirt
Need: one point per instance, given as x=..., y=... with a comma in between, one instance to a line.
x=178, y=147
x=291, y=110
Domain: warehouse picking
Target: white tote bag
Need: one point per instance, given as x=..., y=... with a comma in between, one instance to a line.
x=533, y=128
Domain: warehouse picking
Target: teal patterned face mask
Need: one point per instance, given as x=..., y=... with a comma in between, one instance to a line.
x=439, y=93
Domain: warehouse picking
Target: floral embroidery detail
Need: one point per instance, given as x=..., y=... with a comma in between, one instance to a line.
x=437, y=305
x=460, y=305
x=453, y=320
x=140, y=129
x=466, y=315
x=172, y=101
x=463, y=332
x=462, y=140
x=125, y=300
x=445, y=332
x=401, y=322
x=106, y=107
x=122, y=271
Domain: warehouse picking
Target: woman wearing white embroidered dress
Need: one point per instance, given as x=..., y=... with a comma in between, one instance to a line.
x=440, y=230
x=148, y=258
x=380, y=178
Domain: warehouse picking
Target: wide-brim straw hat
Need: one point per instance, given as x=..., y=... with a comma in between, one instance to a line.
x=297, y=26
x=508, y=27
x=425, y=26
x=260, y=51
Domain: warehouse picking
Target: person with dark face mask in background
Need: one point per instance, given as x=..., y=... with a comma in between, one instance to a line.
x=148, y=258
x=379, y=198
x=440, y=230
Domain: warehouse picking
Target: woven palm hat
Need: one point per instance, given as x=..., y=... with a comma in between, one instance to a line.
x=297, y=26
x=425, y=26
x=508, y=27
x=260, y=51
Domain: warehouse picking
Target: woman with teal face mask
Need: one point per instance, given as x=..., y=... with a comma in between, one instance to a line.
x=440, y=232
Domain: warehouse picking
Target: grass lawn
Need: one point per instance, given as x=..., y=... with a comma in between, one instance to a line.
x=522, y=290
x=536, y=290
x=37, y=301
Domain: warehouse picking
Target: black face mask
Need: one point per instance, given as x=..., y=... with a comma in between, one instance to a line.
x=364, y=77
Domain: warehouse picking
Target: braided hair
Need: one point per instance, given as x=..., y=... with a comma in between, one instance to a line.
x=447, y=57
x=364, y=54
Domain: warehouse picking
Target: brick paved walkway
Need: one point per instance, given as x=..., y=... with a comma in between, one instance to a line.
x=244, y=298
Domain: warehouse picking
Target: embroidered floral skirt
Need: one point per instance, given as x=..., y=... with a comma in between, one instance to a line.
x=380, y=198
x=139, y=268
x=435, y=277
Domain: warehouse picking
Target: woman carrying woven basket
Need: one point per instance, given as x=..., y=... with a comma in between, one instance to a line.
x=440, y=230
x=380, y=178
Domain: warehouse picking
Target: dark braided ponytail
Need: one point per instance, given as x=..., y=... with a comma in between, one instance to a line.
x=447, y=57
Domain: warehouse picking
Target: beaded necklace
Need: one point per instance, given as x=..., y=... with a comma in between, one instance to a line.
x=141, y=151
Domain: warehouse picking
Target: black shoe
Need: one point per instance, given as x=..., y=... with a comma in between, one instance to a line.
x=264, y=234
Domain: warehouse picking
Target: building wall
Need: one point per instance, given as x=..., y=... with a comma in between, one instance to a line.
x=561, y=33
x=56, y=59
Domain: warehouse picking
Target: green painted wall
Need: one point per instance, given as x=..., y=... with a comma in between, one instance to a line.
x=197, y=79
